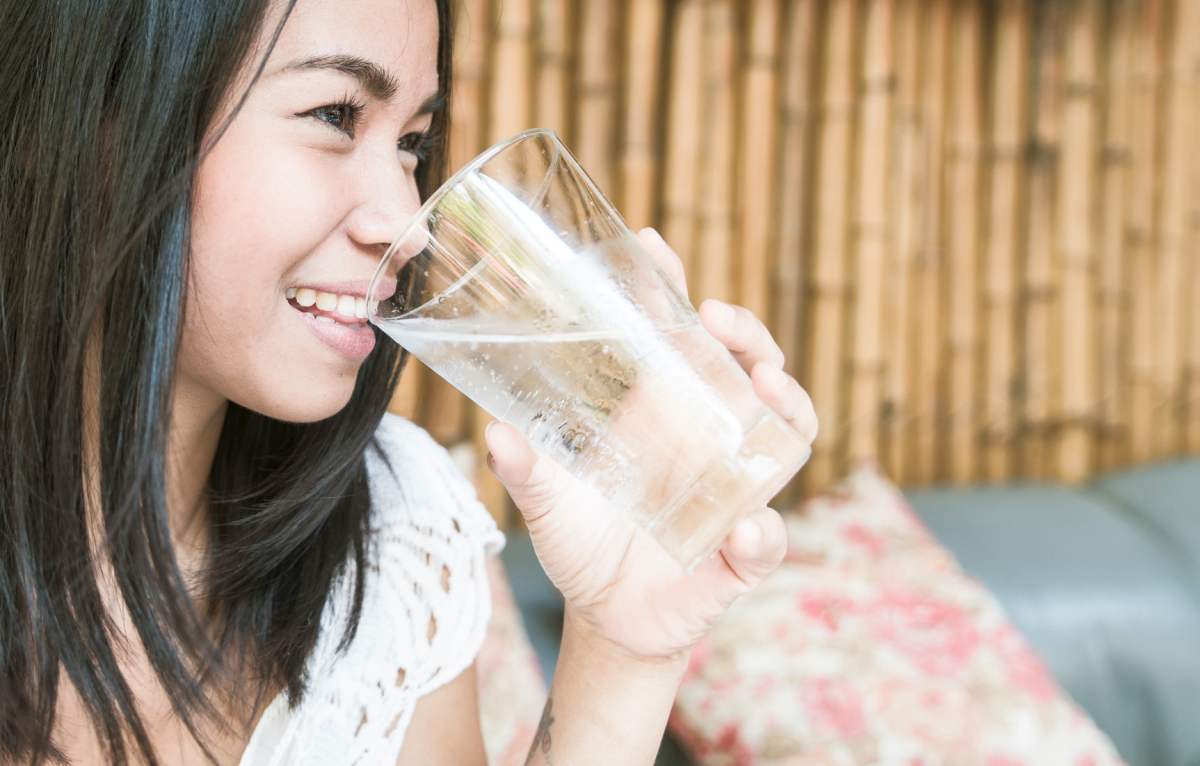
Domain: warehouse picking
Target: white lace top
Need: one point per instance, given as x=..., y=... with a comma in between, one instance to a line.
x=425, y=607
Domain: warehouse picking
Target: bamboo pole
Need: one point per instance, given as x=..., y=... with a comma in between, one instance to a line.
x=685, y=115
x=596, y=97
x=1192, y=403
x=643, y=111
x=1141, y=232
x=793, y=214
x=1116, y=172
x=1179, y=138
x=905, y=245
x=827, y=305
x=444, y=411
x=511, y=94
x=1190, y=26
x=718, y=133
x=1075, y=437
x=758, y=155
x=512, y=70
x=405, y=400
x=926, y=329
x=1008, y=82
x=1040, y=330
x=469, y=94
x=872, y=235
x=961, y=289
x=555, y=67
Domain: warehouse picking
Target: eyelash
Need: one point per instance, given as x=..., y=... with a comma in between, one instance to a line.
x=350, y=109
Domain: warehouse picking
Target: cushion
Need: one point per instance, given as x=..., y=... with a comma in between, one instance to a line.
x=1099, y=591
x=869, y=645
x=1162, y=500
x=512, y=689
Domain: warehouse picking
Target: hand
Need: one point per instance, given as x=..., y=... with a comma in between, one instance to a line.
x=620, y=586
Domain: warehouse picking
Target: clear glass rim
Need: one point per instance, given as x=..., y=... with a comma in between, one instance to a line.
x=428, y=205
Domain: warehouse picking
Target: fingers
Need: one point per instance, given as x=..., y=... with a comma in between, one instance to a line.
x=782, y=393
x=748, y=339
x=666, y=258
x=753, y=550
x=531, y=480
x=755, y=547
x=743, y=333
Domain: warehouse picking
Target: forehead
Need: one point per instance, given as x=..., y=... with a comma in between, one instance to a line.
x=401, y=36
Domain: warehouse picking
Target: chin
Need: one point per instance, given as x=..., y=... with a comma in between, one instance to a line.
x=319, y=397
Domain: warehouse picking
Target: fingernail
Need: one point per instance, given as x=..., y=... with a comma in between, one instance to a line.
x=505, y=444
x=652, y=232
x=753, y=534
x=489, y=437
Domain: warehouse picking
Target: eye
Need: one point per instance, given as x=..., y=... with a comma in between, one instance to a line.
x=342, y=116
x=416, y=144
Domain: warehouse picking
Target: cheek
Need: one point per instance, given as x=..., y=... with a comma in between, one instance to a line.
x=263, y=206
x=259, y=212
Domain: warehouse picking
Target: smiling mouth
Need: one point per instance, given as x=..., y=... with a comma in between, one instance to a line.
x=343, y=309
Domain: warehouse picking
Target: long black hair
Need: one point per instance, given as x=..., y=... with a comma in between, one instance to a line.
x=105, y=107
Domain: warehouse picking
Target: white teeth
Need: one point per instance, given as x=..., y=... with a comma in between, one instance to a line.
x=328, y=319
x=348, y=306
x=345, y=306
x=326, y=301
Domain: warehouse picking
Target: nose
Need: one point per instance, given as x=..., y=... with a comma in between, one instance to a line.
x=389, y=201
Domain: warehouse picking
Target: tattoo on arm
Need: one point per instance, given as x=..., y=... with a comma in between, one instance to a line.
x=541, y=740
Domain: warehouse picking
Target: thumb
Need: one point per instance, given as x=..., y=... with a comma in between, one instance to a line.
x=534, y=482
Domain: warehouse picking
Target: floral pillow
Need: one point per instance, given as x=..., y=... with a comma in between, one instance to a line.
x=869, y=645
x=511, y=688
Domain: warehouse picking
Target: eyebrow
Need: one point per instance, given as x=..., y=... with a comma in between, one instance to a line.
x=377, y=81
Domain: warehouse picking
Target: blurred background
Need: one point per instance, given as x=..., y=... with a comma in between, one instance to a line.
x=970, y=224
x=972, y=227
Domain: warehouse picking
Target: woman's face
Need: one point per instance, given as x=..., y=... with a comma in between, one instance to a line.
x=299, y=199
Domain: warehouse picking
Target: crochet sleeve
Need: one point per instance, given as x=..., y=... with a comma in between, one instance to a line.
x=426, y=606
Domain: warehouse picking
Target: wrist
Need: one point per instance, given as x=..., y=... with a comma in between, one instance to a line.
x=582, y=638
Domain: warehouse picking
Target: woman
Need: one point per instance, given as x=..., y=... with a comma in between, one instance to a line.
x=217, y=547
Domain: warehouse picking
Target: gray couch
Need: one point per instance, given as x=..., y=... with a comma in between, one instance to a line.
x=1103, y=580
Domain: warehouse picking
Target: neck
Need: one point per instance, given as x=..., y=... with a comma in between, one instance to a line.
x=197, y=415
x=196, y=419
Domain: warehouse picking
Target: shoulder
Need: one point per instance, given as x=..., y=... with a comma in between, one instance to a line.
x=417, y=485
x=426, y=606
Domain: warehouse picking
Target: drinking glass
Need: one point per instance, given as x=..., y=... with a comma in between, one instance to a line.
x=531, y=296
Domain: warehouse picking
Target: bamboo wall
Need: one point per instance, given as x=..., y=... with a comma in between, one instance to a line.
x=971, y=224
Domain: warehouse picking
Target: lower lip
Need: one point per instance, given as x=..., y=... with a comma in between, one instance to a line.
x=353, y=341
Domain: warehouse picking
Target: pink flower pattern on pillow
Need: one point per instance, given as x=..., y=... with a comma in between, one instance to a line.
x=511, y=688
x=870, y=646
